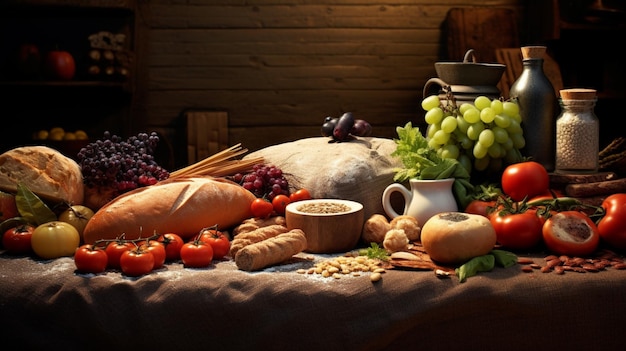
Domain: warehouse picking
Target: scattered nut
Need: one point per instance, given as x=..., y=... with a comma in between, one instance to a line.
x=376, y=277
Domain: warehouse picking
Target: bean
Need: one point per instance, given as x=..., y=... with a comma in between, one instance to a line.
x=527, y=269
x=619, y=266
x=375, y=277
x=524, y=260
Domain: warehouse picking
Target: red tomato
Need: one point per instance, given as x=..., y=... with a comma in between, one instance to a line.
x=196, y=254
x=261, y=208
x=299, y=195
x=173, y=243
x=517, y=231
x=525, y=180
x=218, y=241
x=480, y=207
x=157, y=249
x=8, y=207
x=571, y=233
x=612, y=226
x=136, y=262
x=90, y=259
x=279, y=203
x=60, y=65
x=115, y=250
x=28, y=60
x=17, y=240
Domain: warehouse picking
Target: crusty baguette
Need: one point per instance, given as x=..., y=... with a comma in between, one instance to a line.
x=259, y=234
x=182, y=205
x=44, y=171
x=271, y=251
x=251, y=224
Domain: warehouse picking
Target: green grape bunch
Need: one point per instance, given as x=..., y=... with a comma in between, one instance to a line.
x=485, y=135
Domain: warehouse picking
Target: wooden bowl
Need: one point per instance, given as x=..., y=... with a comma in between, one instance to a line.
x=330, y=225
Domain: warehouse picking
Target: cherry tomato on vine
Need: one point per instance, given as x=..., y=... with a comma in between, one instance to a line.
x=196, y=254
x=525, y=180
x=115, y=250
x=136, y=262
x=173, y=243
x=299, y=195
x=157, y=249
x=279, y=203
x=480, y=207
x=261, y=208
x=571, y=233
x=517, y=231
x=218, y=241
x=90, y=259
x=17, y=240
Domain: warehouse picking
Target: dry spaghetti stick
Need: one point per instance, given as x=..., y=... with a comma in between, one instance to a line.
x=271, y=251
x=219, y=164
x=255, y=236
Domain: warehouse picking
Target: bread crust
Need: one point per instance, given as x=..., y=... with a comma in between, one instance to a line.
x=271, y=251
x=254, y=223
x=182, y=205
x=43, y=170
x=244, y=239
x=455, y=237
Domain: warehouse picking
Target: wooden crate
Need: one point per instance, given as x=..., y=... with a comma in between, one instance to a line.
x=207, y=134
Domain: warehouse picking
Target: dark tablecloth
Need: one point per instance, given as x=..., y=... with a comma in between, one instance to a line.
x=47, y=305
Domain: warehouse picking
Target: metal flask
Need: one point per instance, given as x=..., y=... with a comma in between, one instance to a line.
x=538, y=107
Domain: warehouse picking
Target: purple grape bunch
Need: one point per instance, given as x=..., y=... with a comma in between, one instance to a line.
x=111, y=162
x=264, y=181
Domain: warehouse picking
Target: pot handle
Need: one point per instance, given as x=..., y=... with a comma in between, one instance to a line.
x=431, y=81
x=467, y=56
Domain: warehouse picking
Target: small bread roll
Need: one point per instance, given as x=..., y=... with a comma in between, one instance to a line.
x=455, y=237
x=409, y=224
x=396, y=240
x=375, y=228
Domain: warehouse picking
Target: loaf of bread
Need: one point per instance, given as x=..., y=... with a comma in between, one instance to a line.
x=182, y=205
x=271, y=251
x=43, y=170
x=259, y=234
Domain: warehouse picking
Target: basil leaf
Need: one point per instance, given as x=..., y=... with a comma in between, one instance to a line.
x=477, y=264
x=31, y=207
x=504, y=258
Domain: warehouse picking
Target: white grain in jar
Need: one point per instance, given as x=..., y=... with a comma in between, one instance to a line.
x=577, y=132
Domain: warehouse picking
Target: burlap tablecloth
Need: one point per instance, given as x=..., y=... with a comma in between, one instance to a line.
x=47, y=305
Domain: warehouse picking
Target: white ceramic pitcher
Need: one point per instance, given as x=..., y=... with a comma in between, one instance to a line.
x=425, y=199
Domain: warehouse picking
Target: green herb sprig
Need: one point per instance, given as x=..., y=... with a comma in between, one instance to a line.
x=422, y=162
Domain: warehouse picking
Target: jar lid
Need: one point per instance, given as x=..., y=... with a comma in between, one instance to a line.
x=533, y=52
x=578, y=94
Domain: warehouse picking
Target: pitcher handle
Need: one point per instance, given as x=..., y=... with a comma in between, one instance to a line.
x=432, y=81
x=392, y=188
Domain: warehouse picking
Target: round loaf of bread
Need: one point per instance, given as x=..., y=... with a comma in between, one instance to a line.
x=43, y=170
x=455, y=237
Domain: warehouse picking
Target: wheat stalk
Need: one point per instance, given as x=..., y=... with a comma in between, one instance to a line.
x=219, y=164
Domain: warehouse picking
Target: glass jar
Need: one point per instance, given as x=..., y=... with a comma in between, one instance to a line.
x=577, y=132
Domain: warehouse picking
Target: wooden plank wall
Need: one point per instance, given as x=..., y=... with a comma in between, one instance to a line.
x=279, y=67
